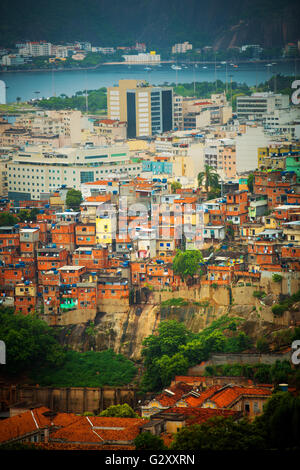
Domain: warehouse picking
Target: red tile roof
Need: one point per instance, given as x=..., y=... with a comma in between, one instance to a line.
x=22, y=424
x=197, y=401
x=200, y=415
x=100, y=430
x=229, y=394
x=179, y=389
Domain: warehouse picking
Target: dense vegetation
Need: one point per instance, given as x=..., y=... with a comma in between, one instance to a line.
x=8, y=219
x=285, y=303
x=87, y=369
x=119, y=411
x=95, y=101
x=278, y=428
x=269, y=23
x=33, y=349
x=175, y=349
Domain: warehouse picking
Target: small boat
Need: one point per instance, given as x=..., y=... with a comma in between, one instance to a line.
x=196, y=66
x=175, y=67
x=204, y=67
x=147, y=68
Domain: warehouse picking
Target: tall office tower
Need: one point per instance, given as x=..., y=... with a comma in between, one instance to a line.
x=148, y=110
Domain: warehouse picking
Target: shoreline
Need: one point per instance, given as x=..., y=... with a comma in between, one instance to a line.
x=73, y=69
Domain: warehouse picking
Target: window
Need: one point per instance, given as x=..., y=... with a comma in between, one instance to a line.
x=256, y=407
x=247, y=407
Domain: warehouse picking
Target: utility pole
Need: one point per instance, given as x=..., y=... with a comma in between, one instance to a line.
x=86, y=96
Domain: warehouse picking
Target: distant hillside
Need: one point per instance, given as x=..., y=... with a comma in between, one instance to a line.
x=159, y=23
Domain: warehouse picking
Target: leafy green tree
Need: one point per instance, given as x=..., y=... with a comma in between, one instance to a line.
x=119, y=411
x=280, y=421
x=238, y=343
x=148, y=441
x=7, y=219
x=175, y=185
x=250, y=182
x=210, y=178
x=219, y=434
x=29, y=341
x=74, y=199
x=171, y=335
x=187, y=263
x=168, y=367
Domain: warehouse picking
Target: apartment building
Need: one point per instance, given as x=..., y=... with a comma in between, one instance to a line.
x=147, y=110
x=36, y=49
x=143, y=58
x=259, y=104
x=64, y=123
x=275, y=185
x=182, y=48
x=36, y=172
x=111, y=128
x=221, y=155
x=198, y=113
x=178, y=114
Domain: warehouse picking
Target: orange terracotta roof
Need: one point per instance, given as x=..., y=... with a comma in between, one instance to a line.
x=22, y=424
x=68, y=446
x=178, y=389
x=229, y=394
x=99, y=198
x=197, y=401
x=100, y=430
x=200, y=415
x=108, y=121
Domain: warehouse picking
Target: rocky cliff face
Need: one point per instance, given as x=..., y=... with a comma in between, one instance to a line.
x=124, y=332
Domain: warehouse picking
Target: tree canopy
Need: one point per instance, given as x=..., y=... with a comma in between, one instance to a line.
x=148, y=441
x=74, y=199
x=174, y=349
x=219, y=434
x=28, y=341
x=119, y=411
x=188, y=263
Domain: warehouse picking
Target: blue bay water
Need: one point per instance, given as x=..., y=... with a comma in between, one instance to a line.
x=53, y=83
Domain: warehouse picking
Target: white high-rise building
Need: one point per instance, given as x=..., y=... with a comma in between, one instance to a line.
x=259, y=104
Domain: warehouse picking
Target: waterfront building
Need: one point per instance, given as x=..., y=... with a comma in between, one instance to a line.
x=147, y=110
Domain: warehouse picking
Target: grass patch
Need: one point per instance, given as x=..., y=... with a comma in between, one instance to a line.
x=88, y=369
x=259, y=294
x=179, y=302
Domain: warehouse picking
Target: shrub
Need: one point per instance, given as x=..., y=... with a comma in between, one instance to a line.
x=276, y=278
x=279, y=309
x=259, y=294
x=262, y=345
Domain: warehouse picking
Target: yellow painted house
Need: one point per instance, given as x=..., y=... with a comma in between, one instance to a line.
x=103, y=230
x=25, y=290
x=270, y=222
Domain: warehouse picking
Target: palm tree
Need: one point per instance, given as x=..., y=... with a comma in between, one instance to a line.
x=210, y=176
